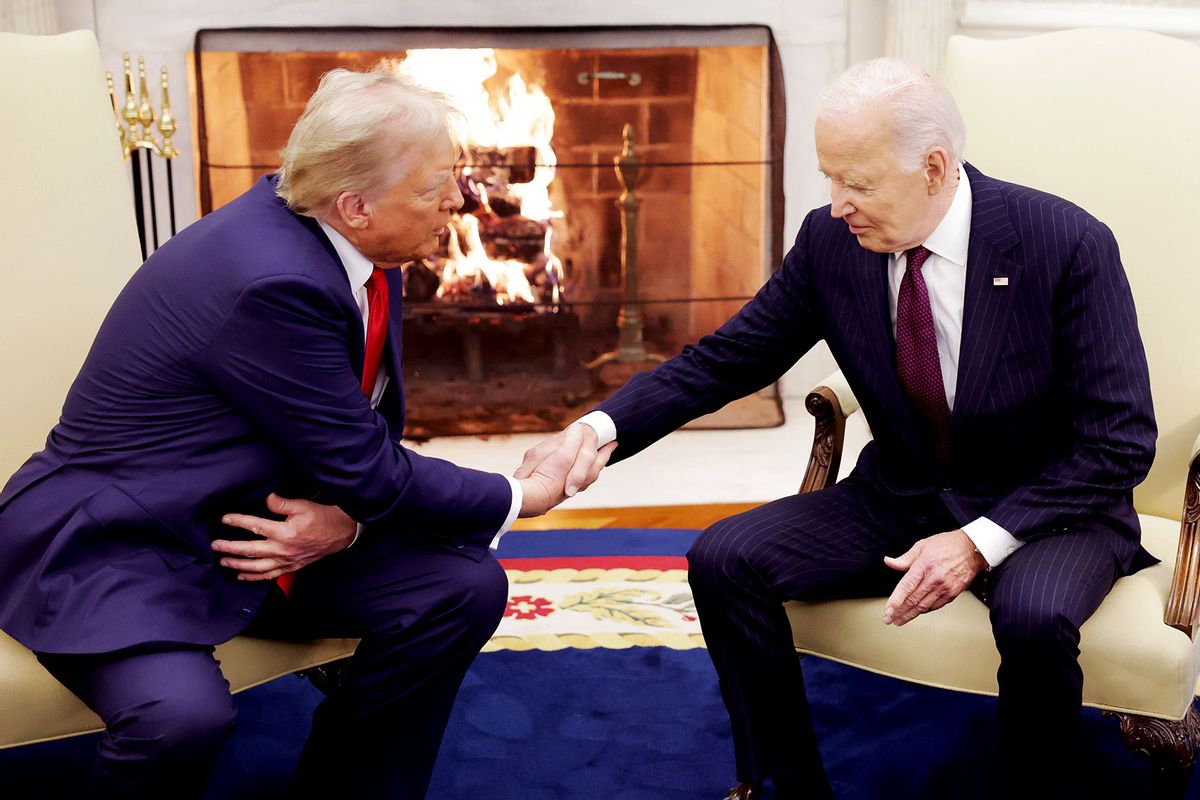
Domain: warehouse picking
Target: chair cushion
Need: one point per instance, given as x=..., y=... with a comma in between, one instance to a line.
x=34, y=707
x=1131, y=661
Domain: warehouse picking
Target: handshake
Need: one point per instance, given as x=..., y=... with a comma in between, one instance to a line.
x=554, y=470
x=559, y=467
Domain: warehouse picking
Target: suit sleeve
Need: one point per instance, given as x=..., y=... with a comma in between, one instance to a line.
x=751, y=350
x=1105, y=385
x=280, y=357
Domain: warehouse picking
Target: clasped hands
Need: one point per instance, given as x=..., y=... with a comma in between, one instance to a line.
x=554, y=470
x=937, y=569
x=560, y=467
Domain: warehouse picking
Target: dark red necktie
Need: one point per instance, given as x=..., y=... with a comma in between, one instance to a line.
x=917, y=361
x=377, y=317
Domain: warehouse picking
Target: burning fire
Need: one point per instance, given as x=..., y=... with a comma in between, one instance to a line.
x=469, y=268
x=505, y=183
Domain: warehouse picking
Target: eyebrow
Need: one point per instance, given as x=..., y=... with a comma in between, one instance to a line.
x=852, y=180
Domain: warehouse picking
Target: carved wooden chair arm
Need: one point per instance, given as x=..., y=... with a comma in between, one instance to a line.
x=1183, y=603
x=830, y=403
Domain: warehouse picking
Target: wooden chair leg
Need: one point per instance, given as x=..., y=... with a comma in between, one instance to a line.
x=1170, y=745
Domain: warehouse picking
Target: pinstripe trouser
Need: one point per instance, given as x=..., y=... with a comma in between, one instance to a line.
x=831, y=544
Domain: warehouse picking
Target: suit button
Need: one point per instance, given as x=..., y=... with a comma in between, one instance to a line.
x=947, y=488
x=245, y=613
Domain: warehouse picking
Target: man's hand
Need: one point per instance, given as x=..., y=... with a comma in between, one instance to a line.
x=560, y=467
x=310, y=532
x=939, y=567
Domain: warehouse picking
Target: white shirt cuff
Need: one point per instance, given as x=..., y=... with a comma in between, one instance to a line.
x=602, y=424
x=518, y=494
x=357, y=533
x=993, y=542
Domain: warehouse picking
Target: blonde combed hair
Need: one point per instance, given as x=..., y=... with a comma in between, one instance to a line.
x=352, y=131
x=923, y=112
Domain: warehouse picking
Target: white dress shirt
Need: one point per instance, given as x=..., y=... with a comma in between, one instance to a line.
x=358, y=270
x=945, y=273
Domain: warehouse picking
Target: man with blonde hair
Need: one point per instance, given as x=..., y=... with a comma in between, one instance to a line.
x=252, y=362
x=989, y=334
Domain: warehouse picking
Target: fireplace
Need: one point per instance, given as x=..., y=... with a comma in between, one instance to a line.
x=528, y=285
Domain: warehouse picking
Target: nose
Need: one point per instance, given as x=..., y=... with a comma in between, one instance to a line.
x=454, y=198
x=840, y=205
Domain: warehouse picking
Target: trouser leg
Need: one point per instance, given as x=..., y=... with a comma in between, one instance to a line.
x=1041, y=595
x=813, y=546
x=167, y=714
x=423, y=615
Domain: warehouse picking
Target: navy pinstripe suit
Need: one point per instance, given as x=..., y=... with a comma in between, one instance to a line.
x=1052, y=428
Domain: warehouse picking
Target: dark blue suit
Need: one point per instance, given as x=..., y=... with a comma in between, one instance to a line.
x=229, y=367
x=1052, y=428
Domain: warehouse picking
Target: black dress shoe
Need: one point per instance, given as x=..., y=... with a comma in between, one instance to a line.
x=744, y=791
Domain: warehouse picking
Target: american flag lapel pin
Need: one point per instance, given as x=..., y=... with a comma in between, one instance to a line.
x=1000, y=280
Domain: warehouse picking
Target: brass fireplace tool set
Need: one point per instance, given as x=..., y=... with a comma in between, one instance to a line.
x=136, y=130
x=631, y=353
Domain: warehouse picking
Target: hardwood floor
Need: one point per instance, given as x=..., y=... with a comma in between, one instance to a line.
x=694, y=516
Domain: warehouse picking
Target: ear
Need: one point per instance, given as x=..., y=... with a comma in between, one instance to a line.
x=352, y=209
x=937, y=170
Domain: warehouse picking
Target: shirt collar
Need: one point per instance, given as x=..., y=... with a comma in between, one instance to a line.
x=358, y=267
x=949, y=239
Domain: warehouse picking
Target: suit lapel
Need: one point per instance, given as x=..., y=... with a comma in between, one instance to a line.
x=993, y=283
x=337, y=274
x=392, y=404
x=871, y=292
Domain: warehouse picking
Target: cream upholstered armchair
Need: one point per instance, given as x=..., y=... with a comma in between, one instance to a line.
x=68, y=244
x=1109, y=119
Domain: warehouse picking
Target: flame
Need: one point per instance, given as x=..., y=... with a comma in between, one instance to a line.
x=554, y=271
x=465, y=268
x=519, y=116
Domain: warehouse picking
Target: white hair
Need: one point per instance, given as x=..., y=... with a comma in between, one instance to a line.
x=353, y=129
x=923, y=112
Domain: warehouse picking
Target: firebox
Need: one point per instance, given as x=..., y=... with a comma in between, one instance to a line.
x=527, y=288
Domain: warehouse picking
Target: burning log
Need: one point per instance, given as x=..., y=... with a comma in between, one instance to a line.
x=420, y=282
x=513, y=237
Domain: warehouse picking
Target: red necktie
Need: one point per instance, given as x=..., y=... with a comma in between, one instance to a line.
x=917, y=361
x=377, y=317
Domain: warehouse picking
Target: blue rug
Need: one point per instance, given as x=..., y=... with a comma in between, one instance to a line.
x=641, y=723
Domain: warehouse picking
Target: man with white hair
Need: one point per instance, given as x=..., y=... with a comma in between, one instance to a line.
x=254, y=361
x=989, y=334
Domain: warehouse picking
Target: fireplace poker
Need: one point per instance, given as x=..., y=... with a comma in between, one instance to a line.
x=130, y=114
x=145, y=117
x=167, y=126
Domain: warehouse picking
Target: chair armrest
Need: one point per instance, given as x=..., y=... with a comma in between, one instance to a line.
x=1183, y=603
x=830, y=403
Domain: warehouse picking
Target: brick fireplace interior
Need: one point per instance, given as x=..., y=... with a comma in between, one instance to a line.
x=706, y=111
